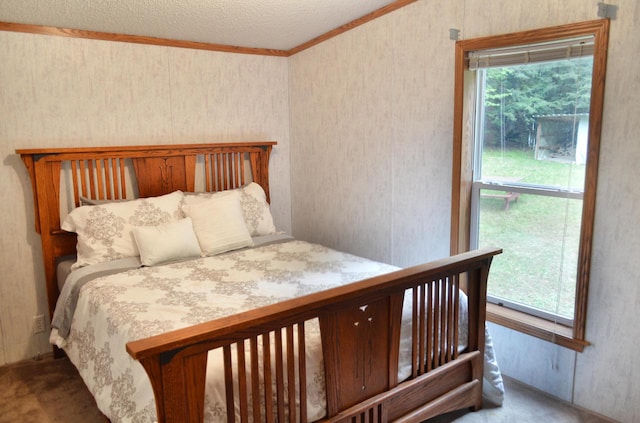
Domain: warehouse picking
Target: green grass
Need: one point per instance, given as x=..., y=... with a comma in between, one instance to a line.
x=539, y=263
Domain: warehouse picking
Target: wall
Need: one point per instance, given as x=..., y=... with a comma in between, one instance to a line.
x=57, y=92
x=371, y=116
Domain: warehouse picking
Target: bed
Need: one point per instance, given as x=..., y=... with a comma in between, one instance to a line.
x=253, y=325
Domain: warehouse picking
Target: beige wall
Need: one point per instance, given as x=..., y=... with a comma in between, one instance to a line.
x=57, y=91
x=371, y=116
x=370, y=126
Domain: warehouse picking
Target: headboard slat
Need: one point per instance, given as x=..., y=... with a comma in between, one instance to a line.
x=74, y=182
x=100, y=178
x=91, y=165
x=104, y=172
x=83, y=178
x=220, y=178
x=241, y=159
x=224, y=173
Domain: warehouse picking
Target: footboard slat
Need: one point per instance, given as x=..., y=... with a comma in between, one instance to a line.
x=291, y=375
x=279, y=377
x=438, y=307
x=447, y=304
x=228, y=379
x=426, y=333
x=302, y=365
x=456, y=316
x=268, y=387
x=255, y=379
x=355, y=320
x=451, y=305
x=242, y=383
x=427, y=357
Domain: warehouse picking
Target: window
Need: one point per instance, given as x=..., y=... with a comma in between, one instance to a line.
x=528, y=111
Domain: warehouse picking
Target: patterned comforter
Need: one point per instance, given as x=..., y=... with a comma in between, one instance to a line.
x=140, y=302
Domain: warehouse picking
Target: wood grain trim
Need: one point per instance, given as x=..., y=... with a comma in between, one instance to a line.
x=152, y=150
x=593, y=27
x=601, y=33
x=600, y=30
x=348, y=26
x=456, y=166
x=140, y=39
x=535, y=326
x=137, y=39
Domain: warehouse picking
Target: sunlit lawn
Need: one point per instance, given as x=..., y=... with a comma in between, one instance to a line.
x=538, y=266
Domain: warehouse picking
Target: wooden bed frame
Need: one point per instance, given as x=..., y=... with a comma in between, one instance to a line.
x=359, y=322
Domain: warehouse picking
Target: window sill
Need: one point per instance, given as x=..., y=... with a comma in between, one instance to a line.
x=535, y=326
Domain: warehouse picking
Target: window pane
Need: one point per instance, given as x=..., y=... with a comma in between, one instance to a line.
x=521, y=165
x=540, y=238
x=533, y=121
x=540, y=110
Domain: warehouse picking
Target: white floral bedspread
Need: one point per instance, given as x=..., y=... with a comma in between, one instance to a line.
x=115, y=309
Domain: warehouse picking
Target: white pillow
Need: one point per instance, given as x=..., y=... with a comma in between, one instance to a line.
x=255, y=210
x=166, y=242
x=105, y=232
x=218, y=221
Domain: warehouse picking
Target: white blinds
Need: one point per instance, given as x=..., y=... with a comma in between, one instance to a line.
x=531, y=53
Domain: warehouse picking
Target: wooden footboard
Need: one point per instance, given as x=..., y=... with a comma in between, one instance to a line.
x=360, y=328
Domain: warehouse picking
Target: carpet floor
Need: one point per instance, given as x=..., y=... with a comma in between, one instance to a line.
x=45, y=391
x=50, y=390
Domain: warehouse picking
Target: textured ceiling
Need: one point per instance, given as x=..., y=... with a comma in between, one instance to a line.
x=270, y=24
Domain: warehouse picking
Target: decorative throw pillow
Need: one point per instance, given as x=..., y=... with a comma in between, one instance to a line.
x=255, y=210
x=166, y=242
x=105, y=232
x=218, y=221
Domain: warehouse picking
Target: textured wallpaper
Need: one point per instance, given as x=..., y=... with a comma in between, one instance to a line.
x=371, y=130
x=57, y=91
x=371, y=109
x=365, y=119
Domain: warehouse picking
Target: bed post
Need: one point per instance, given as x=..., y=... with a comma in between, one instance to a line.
x=260, y=167
x=45, y=181
x=477, y=294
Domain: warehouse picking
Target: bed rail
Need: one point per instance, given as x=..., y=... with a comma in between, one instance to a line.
x=360, y=339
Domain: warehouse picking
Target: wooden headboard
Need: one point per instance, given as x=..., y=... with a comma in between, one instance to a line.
x=100, y=173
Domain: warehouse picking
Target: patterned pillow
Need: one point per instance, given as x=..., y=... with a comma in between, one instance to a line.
x=105, y=232
x=255, y=210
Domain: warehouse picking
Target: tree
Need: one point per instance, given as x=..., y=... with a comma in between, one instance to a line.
x=515, y=95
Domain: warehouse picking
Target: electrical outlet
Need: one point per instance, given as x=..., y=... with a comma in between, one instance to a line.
x=39, y=324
